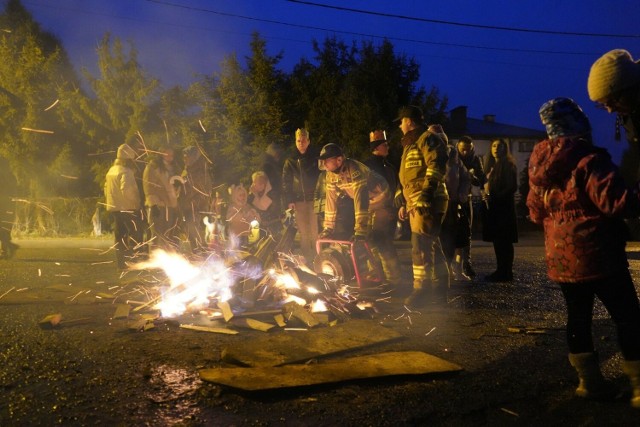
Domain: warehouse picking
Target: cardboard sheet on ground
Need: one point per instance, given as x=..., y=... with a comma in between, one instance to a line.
x=300, y=346
x=360, y=367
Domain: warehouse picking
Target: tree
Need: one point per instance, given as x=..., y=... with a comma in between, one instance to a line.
x=36, y=132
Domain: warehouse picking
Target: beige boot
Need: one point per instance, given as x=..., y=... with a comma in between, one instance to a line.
x=632, y=369
x=592, y=385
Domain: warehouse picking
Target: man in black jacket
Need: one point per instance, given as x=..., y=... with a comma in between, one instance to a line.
x=299, y=175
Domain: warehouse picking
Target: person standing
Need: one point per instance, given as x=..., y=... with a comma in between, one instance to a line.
x=473, y=163
x=196, y=198
x=614, y=83
x=579, y=196
x=266, y=204
x=372, y=205
x=299, y=175
x=272, y=163
x=423, y=199
x=122, y=195
x=161, y=200
x=499, y=223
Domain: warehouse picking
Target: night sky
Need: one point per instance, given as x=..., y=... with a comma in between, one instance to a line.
x=496, y=57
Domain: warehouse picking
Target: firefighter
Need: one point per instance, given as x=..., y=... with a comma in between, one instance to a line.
x=372, y=203
x=422, y=198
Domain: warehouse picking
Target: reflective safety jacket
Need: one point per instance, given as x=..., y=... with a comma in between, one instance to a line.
x=368, y=189
x=423, y=167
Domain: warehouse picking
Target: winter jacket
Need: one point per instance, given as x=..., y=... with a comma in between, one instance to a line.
x=157, y=186
x=383, y=167
x=197, y=195
x=473, y=163
x=368, y=190
x=457, y=178
x=579, y=196
x=121, y=189
x=299, y=175
x=499, y=219
x=423, y=167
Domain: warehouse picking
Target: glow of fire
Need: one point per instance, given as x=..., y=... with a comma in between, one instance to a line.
x=190, y=286
x=318, y=306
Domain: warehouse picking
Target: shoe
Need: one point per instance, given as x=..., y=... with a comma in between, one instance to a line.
x=459, y=276
x=417, y=299
x=498, y=276
x=468, y=270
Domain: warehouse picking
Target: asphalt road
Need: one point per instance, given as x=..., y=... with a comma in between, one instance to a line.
x=105, y=372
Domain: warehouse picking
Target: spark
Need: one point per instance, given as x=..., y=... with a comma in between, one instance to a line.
x=515, y=414
x=38, y=130
x=7, y=292
x=432, y=329
x=202, y=126
x=52, y=105
x=69, y=176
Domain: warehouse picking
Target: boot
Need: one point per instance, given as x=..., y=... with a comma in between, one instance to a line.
x=465, y=256
x=632, y=369
x=593, y=385
x=457, y=273
x=419, y=298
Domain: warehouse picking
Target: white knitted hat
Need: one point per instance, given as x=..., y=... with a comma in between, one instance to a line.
x=125, y=152
x=612, y=72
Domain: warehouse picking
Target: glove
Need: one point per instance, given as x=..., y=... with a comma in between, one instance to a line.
x=358, y=238
x=325, y=234
x=423, y=204
x=399, y=200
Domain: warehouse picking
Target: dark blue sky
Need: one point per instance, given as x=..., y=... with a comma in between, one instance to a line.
x=494, y=56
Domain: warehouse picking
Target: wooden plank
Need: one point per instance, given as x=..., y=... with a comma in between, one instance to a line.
x=300, y=346
x=254, y=324
x=209, y=329
x=360, y=367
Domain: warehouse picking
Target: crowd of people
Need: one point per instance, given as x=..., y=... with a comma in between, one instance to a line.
x=577, y=194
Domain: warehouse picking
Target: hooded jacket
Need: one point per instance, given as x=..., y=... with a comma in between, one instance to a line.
x=579, y=196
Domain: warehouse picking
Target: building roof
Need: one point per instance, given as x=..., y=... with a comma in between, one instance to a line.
x=487, y=128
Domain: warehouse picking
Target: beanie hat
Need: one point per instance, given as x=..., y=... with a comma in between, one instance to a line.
x=612, y=72
x=376, y=138
x=125, y=152
x=563, y=117
x=330, y=150
x=437, y=129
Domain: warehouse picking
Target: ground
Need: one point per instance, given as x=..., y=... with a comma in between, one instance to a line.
x=104, y=373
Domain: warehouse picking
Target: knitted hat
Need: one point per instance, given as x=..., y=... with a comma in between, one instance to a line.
x=437, y=129
x=612, y=72
x=563, y=117
x=376, y=138
x=125, y=152
x=412, y=112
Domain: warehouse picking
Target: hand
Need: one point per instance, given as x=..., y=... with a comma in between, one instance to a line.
x=358, y=238
x=402, y=213
x=423, y=204
x=399, y=200
x=327, y=233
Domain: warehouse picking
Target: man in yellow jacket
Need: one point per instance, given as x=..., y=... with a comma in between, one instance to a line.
x=422, y=199
x=372, y=202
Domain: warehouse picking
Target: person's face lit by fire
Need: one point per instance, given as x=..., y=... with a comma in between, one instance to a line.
x=406, y=124
x=302, y=142
x=464, y=148
x=333, y=164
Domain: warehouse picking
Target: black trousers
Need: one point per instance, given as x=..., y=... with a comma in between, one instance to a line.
x=618, y=295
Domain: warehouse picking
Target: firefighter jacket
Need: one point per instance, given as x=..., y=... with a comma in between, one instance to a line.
x=422, y=169
x=299, y=175
x=367, y=188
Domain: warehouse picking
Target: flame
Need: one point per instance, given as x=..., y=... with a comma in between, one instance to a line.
x=190, y=286
x=318, y=306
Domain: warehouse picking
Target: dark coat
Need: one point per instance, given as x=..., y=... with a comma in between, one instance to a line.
x=299, y=176
x=579, y=196
x=499, y=220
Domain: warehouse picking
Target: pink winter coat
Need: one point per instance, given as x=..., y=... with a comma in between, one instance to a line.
x=579, y=196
